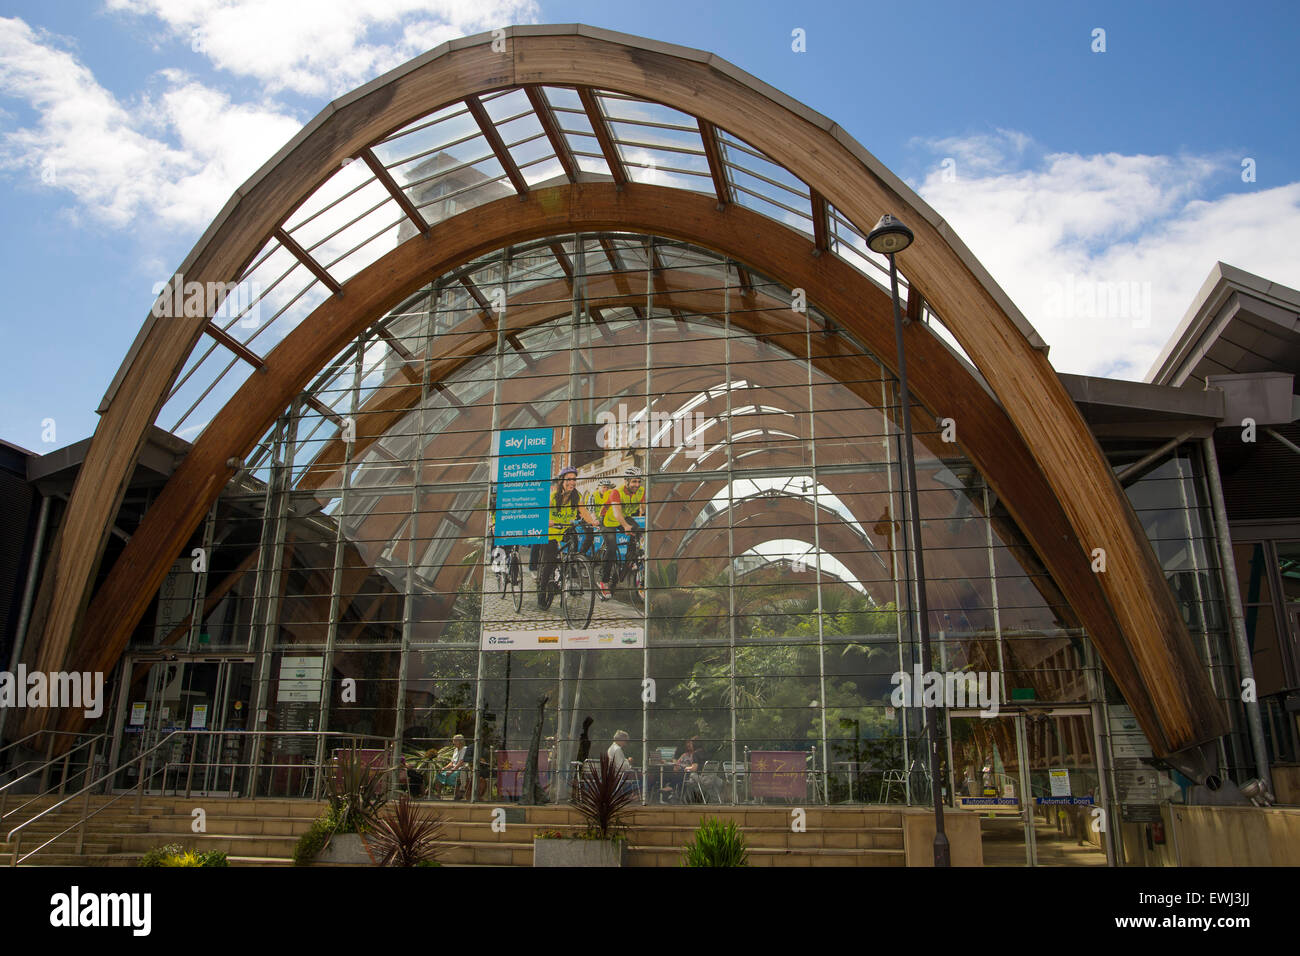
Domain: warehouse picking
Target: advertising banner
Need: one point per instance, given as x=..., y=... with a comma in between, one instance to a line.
x=523, y=482
x=565, y=559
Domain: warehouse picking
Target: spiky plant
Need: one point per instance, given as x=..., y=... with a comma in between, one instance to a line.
x=408, y=835
x=356, y=790
x=716, y=844
x=602, y=796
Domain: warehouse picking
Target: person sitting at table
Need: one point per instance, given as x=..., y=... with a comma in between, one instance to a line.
x=449, y=775
x=620, y=760
x=685, y=763
x=687, y=759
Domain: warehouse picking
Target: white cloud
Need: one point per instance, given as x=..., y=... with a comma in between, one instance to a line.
x=1104, y=253
x=178, y=159
x=326, y=47
x=178, y=156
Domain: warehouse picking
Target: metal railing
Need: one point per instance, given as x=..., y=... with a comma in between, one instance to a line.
x=15, y=835
x=43, y=769
x=254, y=764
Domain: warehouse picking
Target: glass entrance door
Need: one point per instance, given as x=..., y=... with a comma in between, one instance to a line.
x=987, y=777
x=217, y=703
x=1067, y=799
x=1034, y=779
x=210, y=698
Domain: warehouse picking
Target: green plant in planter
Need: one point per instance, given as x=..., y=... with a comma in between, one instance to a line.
x=716, y=844
x=175, y=854
x=356, y=791
x=406, y=836
x=602, y=797
x=314, y=840
x=156, y=856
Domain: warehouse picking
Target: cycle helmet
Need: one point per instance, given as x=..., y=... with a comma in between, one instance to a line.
x=606, y=483
x=568, y=471
x=631, y=471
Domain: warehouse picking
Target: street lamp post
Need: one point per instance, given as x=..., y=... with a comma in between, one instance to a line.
x=888, y=238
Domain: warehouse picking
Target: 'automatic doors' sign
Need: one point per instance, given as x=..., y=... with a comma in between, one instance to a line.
x=523, y=485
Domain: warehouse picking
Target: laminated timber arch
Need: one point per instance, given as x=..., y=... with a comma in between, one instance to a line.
x=1030, y=442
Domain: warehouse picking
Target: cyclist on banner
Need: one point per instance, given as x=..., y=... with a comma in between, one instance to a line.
x=622, y=505
x=566, y=507
x=598, y=502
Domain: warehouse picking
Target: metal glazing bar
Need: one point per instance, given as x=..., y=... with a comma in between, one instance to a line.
x=493, y=137
x=559, y=142
x=302, y=256
x=821, y=227
x=599, y=125
x=234, y=345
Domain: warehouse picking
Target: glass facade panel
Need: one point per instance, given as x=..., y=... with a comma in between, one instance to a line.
x=766, y=608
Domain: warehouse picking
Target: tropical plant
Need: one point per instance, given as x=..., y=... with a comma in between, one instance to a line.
x=156, y=856
x=313, y=841
x=428, y=763
x=356, y=790
x=408, y=835
x=602, y=796
x=175, y=854
x=716, y=844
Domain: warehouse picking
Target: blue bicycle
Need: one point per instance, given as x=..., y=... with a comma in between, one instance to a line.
x=629, y=560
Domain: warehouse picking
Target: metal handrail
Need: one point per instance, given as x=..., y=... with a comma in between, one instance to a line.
x=34, y=733
x=84, y=792
x=16, y=859
x=252, y=763
x=64, y=757
x=37, y=733
x=53, y=760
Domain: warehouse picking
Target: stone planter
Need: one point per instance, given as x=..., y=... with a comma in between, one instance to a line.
x=345, y=848
x=575, y=852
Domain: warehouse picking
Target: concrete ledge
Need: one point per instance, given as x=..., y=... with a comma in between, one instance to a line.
x=962, y=829
x=579, y=852
x=1236, y=836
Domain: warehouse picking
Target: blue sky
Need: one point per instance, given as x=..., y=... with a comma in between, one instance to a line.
x=125, y=125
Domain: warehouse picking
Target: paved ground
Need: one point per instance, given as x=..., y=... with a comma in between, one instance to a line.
x=499, y=611
x=1003, y=837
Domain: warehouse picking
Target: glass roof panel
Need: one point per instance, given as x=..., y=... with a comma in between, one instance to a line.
x=509, y=103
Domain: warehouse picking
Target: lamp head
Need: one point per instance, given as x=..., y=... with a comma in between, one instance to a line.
x=889, y=236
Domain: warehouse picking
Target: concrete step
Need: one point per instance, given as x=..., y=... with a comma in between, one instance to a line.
x=64, y=846
x=265, y=826
x=263, y=832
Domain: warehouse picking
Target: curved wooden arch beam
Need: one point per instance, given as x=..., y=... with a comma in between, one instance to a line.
x=940, y=382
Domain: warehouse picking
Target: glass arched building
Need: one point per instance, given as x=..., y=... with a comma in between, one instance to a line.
x=599, y=253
